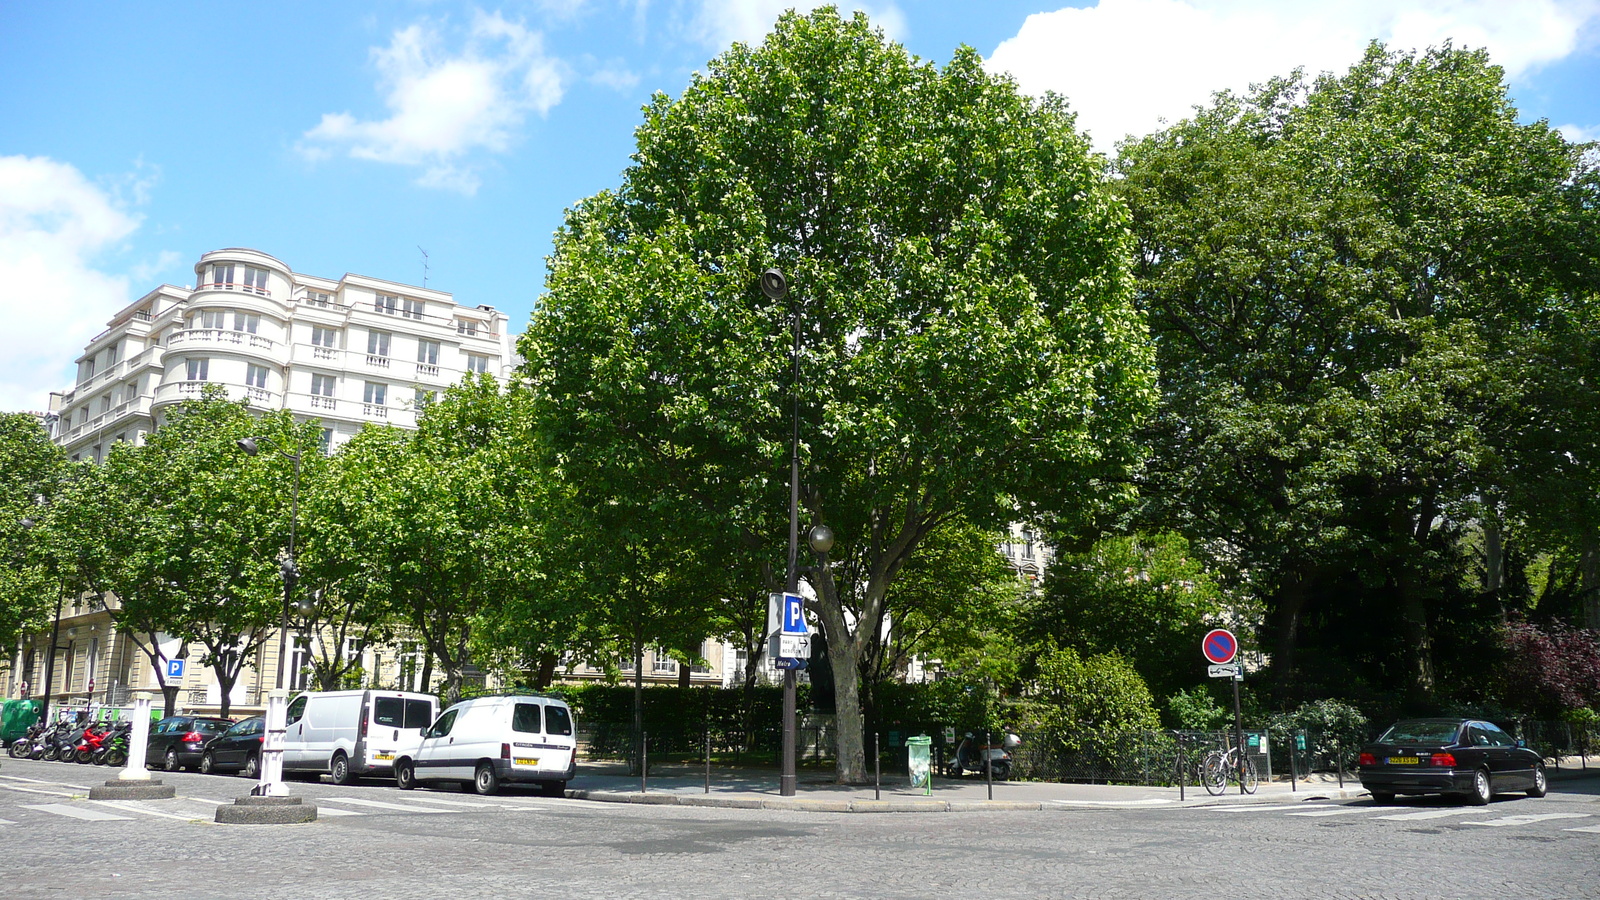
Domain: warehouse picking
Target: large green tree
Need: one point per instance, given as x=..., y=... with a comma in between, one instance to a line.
x=1341, y=275
x=969, y=351
x=32, y=470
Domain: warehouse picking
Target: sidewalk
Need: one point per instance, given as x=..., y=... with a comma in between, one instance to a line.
x=758, y=789
x=671, y=785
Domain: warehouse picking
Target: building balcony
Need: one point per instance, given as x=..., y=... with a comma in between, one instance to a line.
x=320, y=402
x=377, y=362
x=375, y=411
x=427, y=370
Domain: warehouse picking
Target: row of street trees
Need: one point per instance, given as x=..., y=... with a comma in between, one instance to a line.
x=1317, y=363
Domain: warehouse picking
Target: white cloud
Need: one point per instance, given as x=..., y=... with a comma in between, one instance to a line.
x=54, y=225
x=1126, y=64
x=1579, y=134
x=446, y=107
x=719, y=23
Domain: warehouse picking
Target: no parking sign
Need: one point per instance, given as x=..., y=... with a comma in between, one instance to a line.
x=1219, y=646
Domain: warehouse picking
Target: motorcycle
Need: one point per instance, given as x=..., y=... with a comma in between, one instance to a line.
x=114, y=749
x=972, y=755
x=22, y=747
x=93, y=738
x=61, y=741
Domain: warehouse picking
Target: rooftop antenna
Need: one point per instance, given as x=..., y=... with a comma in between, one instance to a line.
x=424, y=265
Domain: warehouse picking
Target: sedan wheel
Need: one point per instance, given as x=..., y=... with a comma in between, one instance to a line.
x=171, y=765
x=1481, y=791
x=252, y=766
x=208, y=763
x=1541, y=784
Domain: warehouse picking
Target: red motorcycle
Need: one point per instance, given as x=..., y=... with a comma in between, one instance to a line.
x=94, y=737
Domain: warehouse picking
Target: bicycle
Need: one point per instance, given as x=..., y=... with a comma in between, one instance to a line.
x=1222, y=766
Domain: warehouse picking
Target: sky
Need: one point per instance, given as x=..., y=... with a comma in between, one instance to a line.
x=358, y=136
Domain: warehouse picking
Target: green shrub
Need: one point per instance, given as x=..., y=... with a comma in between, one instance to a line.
x=1088, y=705
x=1195, y=709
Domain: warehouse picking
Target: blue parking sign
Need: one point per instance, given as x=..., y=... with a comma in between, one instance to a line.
x=794, y=617
x=174, y=668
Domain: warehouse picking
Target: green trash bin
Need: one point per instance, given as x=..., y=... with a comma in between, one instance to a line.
x=16, y=716
x=919, y=757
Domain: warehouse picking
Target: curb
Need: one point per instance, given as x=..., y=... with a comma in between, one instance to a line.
x=901, y=805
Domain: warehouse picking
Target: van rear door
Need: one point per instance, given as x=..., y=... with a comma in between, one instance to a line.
x=395, y=726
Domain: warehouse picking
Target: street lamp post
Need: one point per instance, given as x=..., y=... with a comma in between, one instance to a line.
x=29, y=523
x=271, y=783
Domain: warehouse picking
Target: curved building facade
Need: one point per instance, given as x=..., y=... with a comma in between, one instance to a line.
x=345, y=352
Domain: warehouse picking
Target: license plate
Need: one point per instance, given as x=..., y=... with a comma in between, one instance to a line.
x=1403, y=760
x=526, y=761
x=383, y=757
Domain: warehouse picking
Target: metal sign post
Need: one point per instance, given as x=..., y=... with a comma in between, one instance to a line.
x=1219, y=648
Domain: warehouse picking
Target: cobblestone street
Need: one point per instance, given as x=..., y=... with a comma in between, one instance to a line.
x=372, y=840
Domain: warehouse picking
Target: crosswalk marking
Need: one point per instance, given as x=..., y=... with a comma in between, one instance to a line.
x=78, y=812
x=29, y=790
x=377, y=804
x=1428, y=814
x=420, y=798
x=335, y=811
x=1588, y=829
x=1262, y=807
x=1528, y=820
x=1339, y=811
x=128, y=806
x=36, y=781
x=9, y=822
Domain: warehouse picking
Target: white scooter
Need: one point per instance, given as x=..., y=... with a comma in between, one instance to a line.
x=972, y=753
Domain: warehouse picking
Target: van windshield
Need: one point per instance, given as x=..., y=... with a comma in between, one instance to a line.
x=557, y=720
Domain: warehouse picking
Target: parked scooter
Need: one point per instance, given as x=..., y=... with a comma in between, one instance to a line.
x=61, y=742
x=114, y=748
x=972, y=754
x=22, y=747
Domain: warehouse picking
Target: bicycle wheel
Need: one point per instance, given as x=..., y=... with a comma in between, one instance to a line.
x=1214, y=773
x=1249, y=776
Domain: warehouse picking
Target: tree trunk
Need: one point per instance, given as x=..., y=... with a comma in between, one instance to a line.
x=683, y=675
x=547, y=671
x=169, y=693
x=1589, y=579
x=1287, y=614
x=847, y=720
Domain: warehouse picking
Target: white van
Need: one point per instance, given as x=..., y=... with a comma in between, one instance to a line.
x=348, y=734
x=489, y=741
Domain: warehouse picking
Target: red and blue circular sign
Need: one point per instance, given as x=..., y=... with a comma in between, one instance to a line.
x=1219, y=646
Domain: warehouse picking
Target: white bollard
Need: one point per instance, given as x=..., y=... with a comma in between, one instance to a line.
x=271, y=783
x=139, y=738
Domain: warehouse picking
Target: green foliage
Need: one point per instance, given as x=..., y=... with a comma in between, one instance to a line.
x=1144, y=597
x=1363, y=290
x=31, y=469
x=1085, y=704
x=1196, y=709
x=1333, y=729
x=678, y=719
x=969, y=350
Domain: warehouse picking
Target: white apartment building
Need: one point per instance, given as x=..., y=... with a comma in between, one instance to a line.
x=344, y=352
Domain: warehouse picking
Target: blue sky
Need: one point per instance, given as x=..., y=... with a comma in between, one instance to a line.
x=342, y=136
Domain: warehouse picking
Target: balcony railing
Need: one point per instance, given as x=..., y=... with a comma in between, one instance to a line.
x=220, y=336
x=377, y=362
x=427, y=370
x=233, y=285
x=324, y=353
x=320, y=402
x=375, y=410
x=256, y=393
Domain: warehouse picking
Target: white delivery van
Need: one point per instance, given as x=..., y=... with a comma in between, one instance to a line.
x=489, y=741
x=348, y=734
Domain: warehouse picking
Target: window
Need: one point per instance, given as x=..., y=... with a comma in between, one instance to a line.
x=378, y=343
x=411, y=309
x=318, y=298
x=376, y=393
x=88, y=369
x=222, y=276
x=525, y=718
x=476, y=363
x=557, y=720
x=255, y=376
x=385, y=304
x=199, y=369
x=428, y=352
x=255, y=279
x=327, y=441
x=105, y=404
x=324, y=337
x=246, y=322
x=661, y=663
x=323, y=385
x=442, y=727
x=295, y=711
x=300, y=665
x=424, y=397
x=467, y=327
x=208, y=318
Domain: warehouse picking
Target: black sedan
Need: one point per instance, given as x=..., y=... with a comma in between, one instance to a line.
x=1449, y=756
x=176, y=742
x=236, y=750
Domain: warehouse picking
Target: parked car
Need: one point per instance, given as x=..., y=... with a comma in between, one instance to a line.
x=1449, y=756
x=236, y=750
x=177, y=742
x=348, y=734
x=486, y=742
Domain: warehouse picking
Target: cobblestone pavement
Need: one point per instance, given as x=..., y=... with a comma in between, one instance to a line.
x=375, y=841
